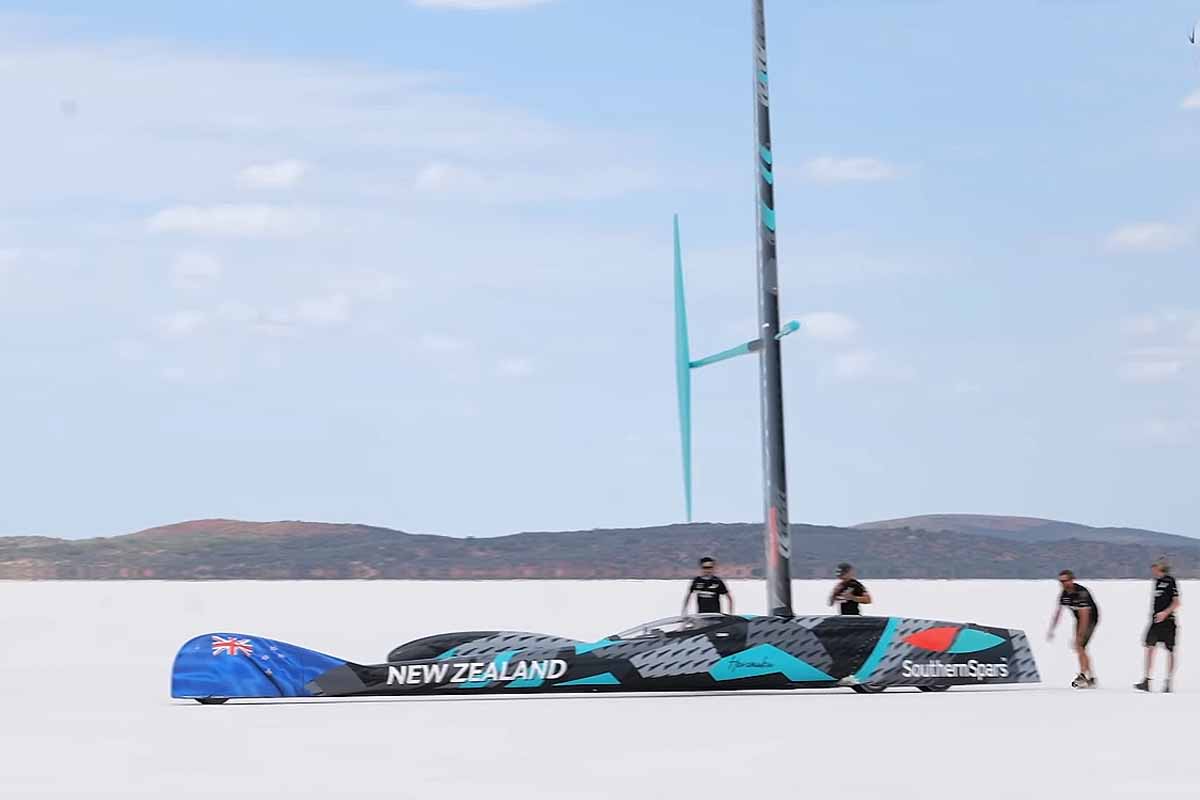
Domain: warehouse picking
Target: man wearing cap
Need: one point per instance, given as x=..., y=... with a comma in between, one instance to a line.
x=848, y=592
x=1162, y=628
x=709, y=589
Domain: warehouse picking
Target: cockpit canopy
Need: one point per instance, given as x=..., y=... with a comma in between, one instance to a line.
x=673, y=625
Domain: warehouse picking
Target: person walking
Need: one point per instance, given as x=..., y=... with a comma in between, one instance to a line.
x=708, y=589
x=1163, y=628
x=1076, y=597
x=849, y=593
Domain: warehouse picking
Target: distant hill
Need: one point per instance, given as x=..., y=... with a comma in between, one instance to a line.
x=1030, y=529
x=941, y=546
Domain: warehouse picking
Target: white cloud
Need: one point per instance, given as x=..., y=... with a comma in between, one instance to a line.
x=855, y=364
x=828, y=326
x=203, y=373
x=192, y=270
x=503, y=185
x=440, y=176
x=131, y=350
x=863, y=364
x=175, y=374
x=847, y=354
x=274, y=324
x=1191, y=102
x=327, y=310
x=365, y=131
x=378, y=127
x=440, y=343
x=1163, y=346
x=233, y=316
x=830, y=169
x=275, y=175
x=1174, y=324
x=1151, y=371
x=237, y=311
x=515, y=367
x=1147, y=324
x=478, y=5
x=171, y=160
x=1162, y=432
x=370, y=286
x=1148, y=237
x=249, y=221
x=182, y=323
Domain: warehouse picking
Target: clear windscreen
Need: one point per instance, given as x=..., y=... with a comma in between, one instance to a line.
x=669, y=625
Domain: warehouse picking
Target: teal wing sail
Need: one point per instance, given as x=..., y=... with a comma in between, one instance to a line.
x=683, y=375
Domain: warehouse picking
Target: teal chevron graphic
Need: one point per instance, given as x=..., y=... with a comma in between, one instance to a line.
x=526, y=683
x=603, y=679
x=768, y=217
x=972, y=641
x=881, y=646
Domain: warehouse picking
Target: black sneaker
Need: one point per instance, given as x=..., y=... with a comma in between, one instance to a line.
x=1080, y=682
x=1167, y=687
x=1144, y=686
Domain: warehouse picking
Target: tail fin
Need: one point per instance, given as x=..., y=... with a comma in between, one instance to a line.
x=220, y=665
x=683, y=375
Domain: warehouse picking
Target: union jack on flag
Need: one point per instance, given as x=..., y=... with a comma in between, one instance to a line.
x=228, y=645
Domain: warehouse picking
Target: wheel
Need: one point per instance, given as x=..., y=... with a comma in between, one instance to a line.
x=868, y=688
x=211, y=701
x=940, y=687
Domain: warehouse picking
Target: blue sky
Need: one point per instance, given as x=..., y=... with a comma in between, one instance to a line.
x=408, y=264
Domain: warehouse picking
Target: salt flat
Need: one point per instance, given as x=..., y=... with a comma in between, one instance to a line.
x=86, y=712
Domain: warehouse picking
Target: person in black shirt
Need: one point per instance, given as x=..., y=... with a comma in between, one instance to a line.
x=1162, y=623
x=848, y=592
x=709, y=589
x=1087, y=615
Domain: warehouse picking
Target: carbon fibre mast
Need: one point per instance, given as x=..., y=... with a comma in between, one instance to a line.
x=778, y=532
x=777, y=535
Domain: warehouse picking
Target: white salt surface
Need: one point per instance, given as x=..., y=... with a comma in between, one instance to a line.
x=84, y=706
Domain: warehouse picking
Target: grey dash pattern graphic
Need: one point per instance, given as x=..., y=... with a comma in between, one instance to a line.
x=808, y=622
x=1022, y=665
x=491, y=645
x=694, y=654
x=792, y=638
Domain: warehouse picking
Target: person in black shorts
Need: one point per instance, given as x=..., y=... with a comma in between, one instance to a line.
x=1076, y=597
x=849, y=592
x=709, y=589
x=1162, y=628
